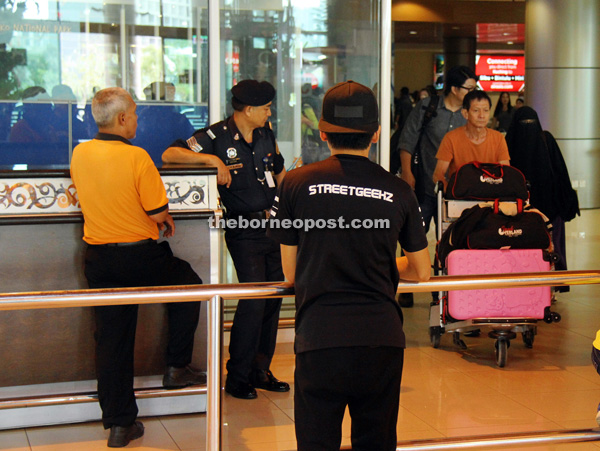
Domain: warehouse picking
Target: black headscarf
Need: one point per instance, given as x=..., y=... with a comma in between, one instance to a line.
x=536, y=153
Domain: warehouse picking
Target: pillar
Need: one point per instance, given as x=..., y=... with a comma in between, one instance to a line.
x=459, y=51
x=562, y=83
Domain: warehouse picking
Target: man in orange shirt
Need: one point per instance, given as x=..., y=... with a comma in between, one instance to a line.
x=471, y=142
x=124, y=204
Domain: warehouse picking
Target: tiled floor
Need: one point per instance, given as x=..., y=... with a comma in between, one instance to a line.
x=446, y=392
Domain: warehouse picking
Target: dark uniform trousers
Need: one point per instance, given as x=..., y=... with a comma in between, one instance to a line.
x=256, y=258
x=366, y=379
x=148, y=264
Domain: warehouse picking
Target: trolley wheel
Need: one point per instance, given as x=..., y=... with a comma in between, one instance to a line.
x=435, y=335
x=528, y=337
x=556, y=317
x=501, y=352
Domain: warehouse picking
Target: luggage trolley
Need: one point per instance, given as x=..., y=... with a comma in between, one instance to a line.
x=505, y=312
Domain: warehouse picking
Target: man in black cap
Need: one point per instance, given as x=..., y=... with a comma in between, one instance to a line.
x=348, y=215
x=250, y=167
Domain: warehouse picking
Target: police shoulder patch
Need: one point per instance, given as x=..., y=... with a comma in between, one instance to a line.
x=194, y=144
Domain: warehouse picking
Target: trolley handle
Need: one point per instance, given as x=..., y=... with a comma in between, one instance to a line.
x=439, y=187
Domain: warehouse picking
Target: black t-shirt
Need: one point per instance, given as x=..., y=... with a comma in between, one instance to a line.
x=346, y=277
x=249, y=190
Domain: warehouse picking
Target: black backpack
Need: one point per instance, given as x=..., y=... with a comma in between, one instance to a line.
x=395, y=164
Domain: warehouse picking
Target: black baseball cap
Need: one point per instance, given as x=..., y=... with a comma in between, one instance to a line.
x=349, y=107
x=253, y=93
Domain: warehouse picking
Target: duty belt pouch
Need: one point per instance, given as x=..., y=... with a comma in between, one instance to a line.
x=526, y=230
x=487, y=181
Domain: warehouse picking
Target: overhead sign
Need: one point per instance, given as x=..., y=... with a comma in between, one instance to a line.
x=500, y=72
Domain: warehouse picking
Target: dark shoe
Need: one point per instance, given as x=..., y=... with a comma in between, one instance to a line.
x=241, y=390
x=120, y=436
x=406, y=300
x=182, y=377
x=265, y=380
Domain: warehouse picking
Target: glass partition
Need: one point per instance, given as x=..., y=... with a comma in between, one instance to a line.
x=302, y=47
x=64, y=51
x=72, y=48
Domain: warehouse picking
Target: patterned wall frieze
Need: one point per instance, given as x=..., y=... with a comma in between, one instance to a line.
x=35, y=196
x=58, y=194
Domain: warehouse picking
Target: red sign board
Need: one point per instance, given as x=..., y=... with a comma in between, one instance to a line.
x=501, y=72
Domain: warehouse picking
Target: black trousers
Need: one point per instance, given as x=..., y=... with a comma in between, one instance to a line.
x=366, y=379
x=256, y=258
x=149, y=264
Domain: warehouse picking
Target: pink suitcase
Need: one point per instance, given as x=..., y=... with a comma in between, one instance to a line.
x=525, y=302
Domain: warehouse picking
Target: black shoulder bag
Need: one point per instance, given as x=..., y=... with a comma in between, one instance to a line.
x=416, y=163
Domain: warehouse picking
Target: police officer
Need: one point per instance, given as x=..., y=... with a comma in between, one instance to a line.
x=244, y=150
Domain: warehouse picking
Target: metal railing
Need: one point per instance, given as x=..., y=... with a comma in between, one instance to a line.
x=215, y=294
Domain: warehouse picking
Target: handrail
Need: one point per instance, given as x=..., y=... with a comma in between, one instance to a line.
x=82, y=397
x=186, y=293
x=499, y=440
x=217, y=293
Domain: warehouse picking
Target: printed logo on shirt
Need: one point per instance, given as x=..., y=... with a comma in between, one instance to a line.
x=348, y=190
x=194, y=145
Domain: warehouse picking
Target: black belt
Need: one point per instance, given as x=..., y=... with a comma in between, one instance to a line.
x=247, y=215
x=132, y=243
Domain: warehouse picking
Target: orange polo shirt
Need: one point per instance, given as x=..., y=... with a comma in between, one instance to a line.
x=458, y=149
x=118, y=186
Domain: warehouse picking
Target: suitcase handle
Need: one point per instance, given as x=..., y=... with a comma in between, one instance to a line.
x=483, y=166
x=519, y=206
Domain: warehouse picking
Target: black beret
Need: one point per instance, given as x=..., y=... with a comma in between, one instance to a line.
x=253, y=93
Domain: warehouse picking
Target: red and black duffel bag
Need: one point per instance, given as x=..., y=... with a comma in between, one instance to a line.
x=487, y=181
x=484, y=227
x=526, y=230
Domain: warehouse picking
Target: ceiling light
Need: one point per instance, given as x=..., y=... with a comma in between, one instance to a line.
x=412, y=32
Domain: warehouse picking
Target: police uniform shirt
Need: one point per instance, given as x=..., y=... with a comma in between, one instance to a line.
x=346, y=278
x=248, y=163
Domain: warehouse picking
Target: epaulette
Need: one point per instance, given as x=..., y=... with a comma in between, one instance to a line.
x=216, y=129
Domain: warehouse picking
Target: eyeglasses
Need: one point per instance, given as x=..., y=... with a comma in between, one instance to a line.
x=469, y=88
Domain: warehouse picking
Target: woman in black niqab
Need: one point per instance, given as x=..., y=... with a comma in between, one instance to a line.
x=535, y=152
